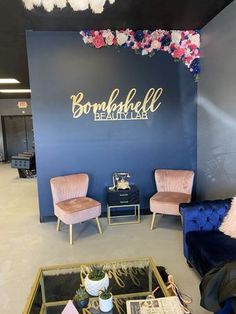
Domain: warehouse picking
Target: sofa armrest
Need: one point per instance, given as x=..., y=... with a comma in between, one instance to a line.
x=200, y=216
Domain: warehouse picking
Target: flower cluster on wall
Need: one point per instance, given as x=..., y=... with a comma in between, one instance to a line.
x=183, y=46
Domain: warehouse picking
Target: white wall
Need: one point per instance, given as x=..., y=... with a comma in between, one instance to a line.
x=217, y=108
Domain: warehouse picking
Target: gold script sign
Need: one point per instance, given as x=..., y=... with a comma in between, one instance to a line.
x=111, y=110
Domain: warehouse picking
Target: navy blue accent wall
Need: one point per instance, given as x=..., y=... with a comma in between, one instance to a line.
x=60, y=65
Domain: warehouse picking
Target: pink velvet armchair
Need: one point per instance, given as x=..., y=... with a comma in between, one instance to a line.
x=71, y=205
x=174, y=187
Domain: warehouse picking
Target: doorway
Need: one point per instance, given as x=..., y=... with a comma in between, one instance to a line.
x=18, y=135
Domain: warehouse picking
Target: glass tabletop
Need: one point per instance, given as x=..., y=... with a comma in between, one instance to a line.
x=130, y=279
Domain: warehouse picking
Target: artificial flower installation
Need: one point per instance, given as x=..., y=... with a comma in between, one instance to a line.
x=183, y=46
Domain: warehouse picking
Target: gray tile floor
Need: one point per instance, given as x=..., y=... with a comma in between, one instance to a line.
x=26, y=244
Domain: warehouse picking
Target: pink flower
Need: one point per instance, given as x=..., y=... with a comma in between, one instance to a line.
x=155, y=44
x=192, y=46
x=106, y=33
x=182, y=35
x=178, y=53
x=135, y=45
x=109, y=39
x=98, y=41
x=188, y=60
x=142, y=45
x=89, y=40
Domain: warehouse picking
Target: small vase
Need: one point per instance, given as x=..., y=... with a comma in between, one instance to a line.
x=94, y=287
x=105, y=305
x=81, y=304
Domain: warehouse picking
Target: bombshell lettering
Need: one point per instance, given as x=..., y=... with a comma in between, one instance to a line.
x=111, y=110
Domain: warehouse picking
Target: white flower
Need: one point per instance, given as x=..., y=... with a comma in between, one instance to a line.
x=48, y=5
x=175, y=37
x=195, y=39
x=28, y=4
x=97, y=5
x=60, y=3
x=144, y=52
x=121, y=38
x=85, y=39
x=37, y=3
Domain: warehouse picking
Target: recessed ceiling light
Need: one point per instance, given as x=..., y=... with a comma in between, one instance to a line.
x=15, y=91
x=8, y=81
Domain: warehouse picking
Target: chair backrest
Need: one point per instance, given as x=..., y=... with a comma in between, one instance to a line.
x=70, y=186
x=180, y=181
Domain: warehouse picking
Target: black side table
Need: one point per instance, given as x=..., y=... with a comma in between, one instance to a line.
x=123, y=199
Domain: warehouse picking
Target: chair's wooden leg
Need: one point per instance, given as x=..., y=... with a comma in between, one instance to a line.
x=71, y=234
x=153, y=220
x=99, y=226
x=58, y=224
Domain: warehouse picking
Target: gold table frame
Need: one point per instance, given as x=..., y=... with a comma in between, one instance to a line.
x=136, y=214
x=39, y=281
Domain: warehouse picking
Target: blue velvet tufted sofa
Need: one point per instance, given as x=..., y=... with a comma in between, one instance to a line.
x=205, y=246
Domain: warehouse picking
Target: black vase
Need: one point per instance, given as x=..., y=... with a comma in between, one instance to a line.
x=81, y=304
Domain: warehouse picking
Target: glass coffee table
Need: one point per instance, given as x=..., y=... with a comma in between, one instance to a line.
x=130, y=279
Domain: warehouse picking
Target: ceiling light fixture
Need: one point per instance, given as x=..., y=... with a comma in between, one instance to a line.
x=8, y=81
x=96, y=6
x=15, y=91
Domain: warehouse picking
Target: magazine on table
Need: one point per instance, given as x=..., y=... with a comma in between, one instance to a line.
x=167, y=305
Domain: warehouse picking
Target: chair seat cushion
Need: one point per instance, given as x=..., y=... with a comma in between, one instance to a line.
x=77, y=210
x=210, y=249
x=168, y=202
x=77, y=204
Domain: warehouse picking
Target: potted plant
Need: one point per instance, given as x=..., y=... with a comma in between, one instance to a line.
x=105, y=300
x=96, y=280
x=81, y=298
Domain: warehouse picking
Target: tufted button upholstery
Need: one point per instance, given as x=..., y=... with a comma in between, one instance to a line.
x=200, y=216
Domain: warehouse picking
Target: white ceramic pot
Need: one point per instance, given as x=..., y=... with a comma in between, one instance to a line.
x=105, y=305
x=94, y=287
